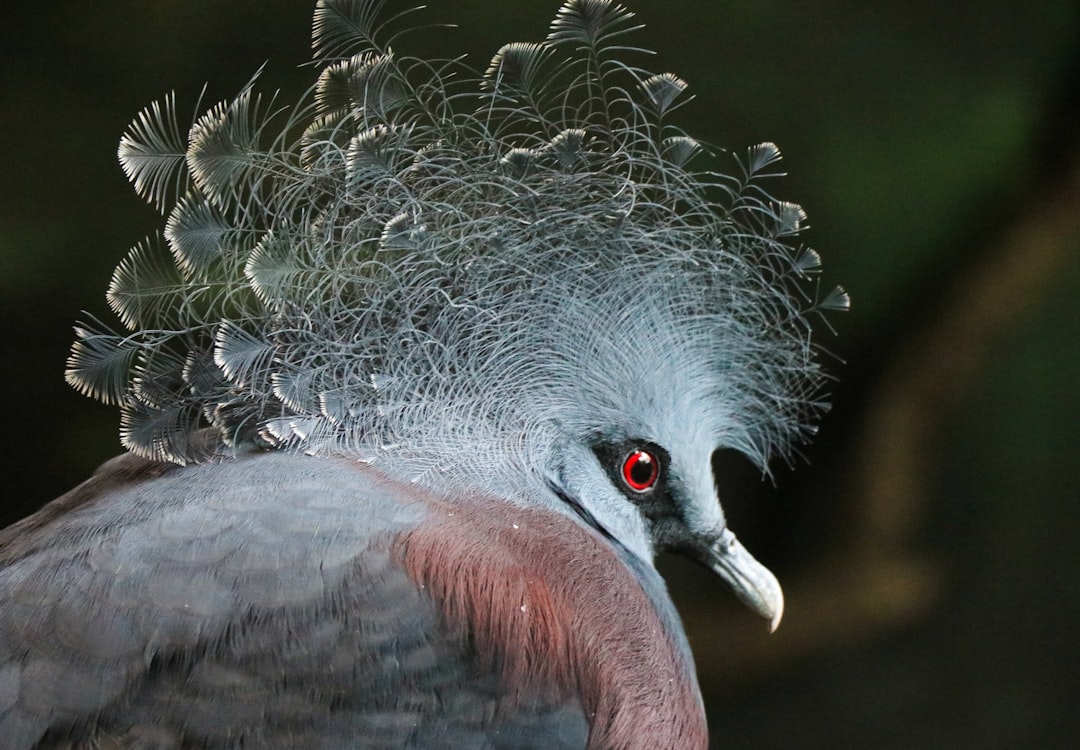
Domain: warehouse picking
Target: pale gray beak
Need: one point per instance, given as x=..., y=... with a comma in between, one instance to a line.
x=752, y=582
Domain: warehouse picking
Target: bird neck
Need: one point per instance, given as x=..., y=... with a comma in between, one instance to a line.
x=558, y=610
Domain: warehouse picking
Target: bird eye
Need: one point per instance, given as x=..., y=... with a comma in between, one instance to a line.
x=640, y=470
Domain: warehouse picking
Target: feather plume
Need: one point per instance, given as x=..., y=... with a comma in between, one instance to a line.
x=455, y=272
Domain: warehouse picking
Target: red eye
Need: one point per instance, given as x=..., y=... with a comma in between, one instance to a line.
x=640, y=470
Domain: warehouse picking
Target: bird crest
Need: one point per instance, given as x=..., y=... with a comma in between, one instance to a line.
x=452, y=271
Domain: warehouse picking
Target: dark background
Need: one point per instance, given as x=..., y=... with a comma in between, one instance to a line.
x=928, y=548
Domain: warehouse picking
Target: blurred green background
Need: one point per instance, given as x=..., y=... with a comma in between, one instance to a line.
x=929, y=544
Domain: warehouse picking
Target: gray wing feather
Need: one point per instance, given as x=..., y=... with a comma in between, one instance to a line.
x=248, y=603
x=145, y=597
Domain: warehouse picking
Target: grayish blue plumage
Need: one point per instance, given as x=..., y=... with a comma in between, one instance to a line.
x=414, y=260
x=494, y=285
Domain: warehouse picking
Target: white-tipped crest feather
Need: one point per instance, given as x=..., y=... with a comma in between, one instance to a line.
x=455, y=274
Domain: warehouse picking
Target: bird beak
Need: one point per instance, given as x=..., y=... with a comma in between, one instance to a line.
x=752, y=582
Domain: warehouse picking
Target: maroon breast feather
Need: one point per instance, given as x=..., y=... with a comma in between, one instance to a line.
x=549, y=605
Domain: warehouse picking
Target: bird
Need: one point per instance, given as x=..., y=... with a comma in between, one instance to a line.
x=418, y=378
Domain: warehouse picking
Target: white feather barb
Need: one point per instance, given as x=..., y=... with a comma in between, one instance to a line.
x=453, y=271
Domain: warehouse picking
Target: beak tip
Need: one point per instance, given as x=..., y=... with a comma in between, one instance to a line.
x=752, y=582
x=774, y=622
x=777, y=607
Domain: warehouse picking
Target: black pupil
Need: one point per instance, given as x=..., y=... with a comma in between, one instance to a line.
x=641, y=469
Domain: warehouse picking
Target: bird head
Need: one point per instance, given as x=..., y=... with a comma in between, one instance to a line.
x=526, y=281
x=640, y=467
